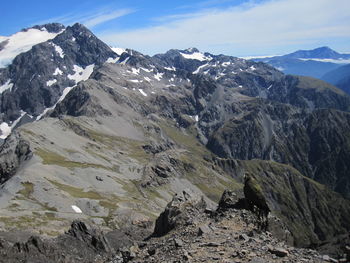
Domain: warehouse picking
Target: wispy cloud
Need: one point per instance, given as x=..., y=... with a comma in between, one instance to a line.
x=258, y=27
x=104, y=17
x=90, y=19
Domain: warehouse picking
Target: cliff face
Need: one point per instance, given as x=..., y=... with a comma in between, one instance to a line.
x=310, y=142
x=13, y=153
x=313, y=213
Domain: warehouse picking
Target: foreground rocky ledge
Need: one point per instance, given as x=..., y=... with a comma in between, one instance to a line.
x=187, y=231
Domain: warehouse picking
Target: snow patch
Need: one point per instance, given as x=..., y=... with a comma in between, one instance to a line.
x=6, y=129
x=76, y=209
x=147, y=79
x=147, y=70
x=112, y=60
x=22, y=42
x=125, y=60
x=80, y=73
x=197, y=56
x=199, y=68
x=118, y=50
x=196, y=118
x=269, y=87
x=64, y=94
x=49, y=83
x=135, y=71
x=158, y=76
x=6, y=86
x=142, y=92
x=57, y=72
x=252, y=68
x=170, y=69
x=58, y=49
x=134, y=80
x=225, y=64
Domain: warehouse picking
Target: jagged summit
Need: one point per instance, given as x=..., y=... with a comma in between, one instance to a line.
x=51, y=27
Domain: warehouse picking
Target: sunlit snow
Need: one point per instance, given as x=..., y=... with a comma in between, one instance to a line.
x=158, y=76
x=146, y=70
x=6, y=86
x=196, y=55
x=81, y=73
x=49, y=83
x=57, y=72
x=112, y=60
x=199, y=68
x=142, y=92
x=5, y=129
x=76, y=209
x=22, y=42
x=171, y=69
x=118, y=50
x=135, y=71
x=64, y=94
x=58, y=49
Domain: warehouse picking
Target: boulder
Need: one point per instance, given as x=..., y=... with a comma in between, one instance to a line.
x=180, y=211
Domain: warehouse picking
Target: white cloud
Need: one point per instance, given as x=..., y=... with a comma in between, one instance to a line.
x=256, y=27
x=104, y=17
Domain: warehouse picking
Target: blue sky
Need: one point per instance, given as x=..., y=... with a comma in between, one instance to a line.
x=232, y=27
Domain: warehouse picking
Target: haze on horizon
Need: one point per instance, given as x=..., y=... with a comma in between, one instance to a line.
x=232, y=27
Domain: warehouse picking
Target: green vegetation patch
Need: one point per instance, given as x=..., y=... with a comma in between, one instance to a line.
x=317, y=84
x=76, y=192
x=52, y=158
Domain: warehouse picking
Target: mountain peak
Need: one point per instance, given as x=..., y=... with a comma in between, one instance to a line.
x=51, y=27
x=191, y=50
x=321, y=52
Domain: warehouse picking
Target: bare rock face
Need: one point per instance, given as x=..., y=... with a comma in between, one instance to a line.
x=13, y=153
x=177, y=212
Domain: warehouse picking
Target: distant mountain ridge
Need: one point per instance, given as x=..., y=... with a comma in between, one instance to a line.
x=320, y=53
x=313, y=63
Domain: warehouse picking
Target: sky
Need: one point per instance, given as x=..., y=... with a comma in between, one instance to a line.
x=231, y=27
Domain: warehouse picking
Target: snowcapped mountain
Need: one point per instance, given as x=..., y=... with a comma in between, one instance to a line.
x=44, y=68
x=314, y=63
x=110, y=134
x=24, y=40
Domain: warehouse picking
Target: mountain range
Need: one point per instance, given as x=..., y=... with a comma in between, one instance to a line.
x=320, y=63
x=109, y=135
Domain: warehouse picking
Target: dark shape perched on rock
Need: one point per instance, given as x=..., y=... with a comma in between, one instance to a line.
x=255, y=199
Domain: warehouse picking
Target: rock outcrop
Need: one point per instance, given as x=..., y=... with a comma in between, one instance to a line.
x=13, y=152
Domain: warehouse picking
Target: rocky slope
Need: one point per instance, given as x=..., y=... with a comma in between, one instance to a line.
x=125, y=136
x=38, y=78
x=190, y=233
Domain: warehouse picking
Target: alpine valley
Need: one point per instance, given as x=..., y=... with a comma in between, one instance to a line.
x=108, y=136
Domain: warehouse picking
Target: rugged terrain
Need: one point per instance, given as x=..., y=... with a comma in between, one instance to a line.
x=109, y=138
x=186, y=231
